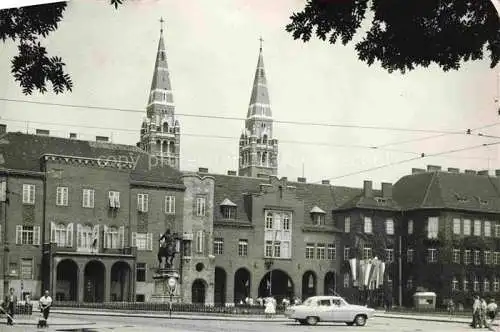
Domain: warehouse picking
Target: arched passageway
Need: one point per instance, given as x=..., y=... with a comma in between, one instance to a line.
x=330, y=286
x=241, y=285
x=94, y=282
x=309, y=284
x=67, y=281
x=198, y=292
x=220, y=286
x=120, y=282
x=276, y=283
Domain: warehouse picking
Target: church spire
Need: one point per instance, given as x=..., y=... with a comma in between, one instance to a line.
x=160, y=131
x=259, y=99
x=258, y=149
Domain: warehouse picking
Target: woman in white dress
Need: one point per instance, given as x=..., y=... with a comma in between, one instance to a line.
x=270, y=307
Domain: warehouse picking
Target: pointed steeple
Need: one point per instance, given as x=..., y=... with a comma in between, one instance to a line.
x=160, y=131
x=258, y=149
x=259, y=100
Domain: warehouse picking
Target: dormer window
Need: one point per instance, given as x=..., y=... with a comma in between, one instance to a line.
x=460, y=198
x=228, y=209
x=381, y=200
x=318, y=216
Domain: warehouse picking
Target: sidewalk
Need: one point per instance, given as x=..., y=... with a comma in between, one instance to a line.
x=23, y=320
x=251, y=318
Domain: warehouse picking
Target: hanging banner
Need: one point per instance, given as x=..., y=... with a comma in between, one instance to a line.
x=352, y=264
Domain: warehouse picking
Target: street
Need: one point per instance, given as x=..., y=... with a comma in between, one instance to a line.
x=132, y=324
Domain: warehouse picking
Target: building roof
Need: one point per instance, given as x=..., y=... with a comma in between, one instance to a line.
x=447, y=190
x=374, y=202
x=23, y=152
x=161, y=74
x=259, y=100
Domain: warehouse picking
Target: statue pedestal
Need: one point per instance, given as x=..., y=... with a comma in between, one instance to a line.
x=167, y=288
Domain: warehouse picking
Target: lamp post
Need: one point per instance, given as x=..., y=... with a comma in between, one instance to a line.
x=172, y=283
x=4, y=199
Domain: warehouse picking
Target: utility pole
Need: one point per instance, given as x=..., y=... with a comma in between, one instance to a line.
x=5, y=239
x=400, y=286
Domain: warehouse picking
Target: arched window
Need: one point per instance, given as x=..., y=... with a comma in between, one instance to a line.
x=158, y=145
x=264, y=158
x=454, y=284
x=171, y=147
x=164, y=148
x=269, y=220
x=165, y=127
x=264, y=139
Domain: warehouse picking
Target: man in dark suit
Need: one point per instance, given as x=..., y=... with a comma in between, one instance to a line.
x=9, y=305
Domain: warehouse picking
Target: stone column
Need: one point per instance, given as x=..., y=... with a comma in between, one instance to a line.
x=81, y=283
x=107, y=283
x=230, y=287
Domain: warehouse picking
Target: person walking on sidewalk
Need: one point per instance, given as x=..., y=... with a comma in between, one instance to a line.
x=45, y=303
x=476, y=308
x=482, y=321
x=491, y=310
x=9, y=306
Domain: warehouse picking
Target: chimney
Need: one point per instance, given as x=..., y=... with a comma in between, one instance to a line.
x=433, y=168
x=497, y=172
x=367, y=188
x=202, y=170
x=470, y=171
x=43, y=132
x=233, y=173
x=3, y=128
x=325, y=181
x=386, y=190
x=72, y=135
x=417, y=170
x=483, y=172
x=453, y=170
x=101, y=138
x=301, y=179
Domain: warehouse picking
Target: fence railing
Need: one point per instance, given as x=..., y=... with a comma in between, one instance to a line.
x=238, y=309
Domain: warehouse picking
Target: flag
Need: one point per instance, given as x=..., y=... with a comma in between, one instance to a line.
x=381, y=273
x=268, y=284
x=3, y=191
x=352, y=264
x=367, y=273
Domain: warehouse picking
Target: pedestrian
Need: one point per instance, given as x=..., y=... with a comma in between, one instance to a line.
x=482, y=321
x=45, y=303
x=451, y=307
x=476, y=307
x=9, y=306
x=491, y=310
x=270, y=307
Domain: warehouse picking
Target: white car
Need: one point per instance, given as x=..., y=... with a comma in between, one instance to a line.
x=329, y=309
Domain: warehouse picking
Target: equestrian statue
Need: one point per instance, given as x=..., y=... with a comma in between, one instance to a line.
x=167, y=250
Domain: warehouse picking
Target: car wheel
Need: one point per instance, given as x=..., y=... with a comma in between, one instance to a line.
x=311, y=320
x=302, y=321
x=360, y=320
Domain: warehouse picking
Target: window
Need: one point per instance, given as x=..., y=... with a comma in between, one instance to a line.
x=409, y=255
x=496, y=259
x=170, y=204
x=310, y=251
x=456, y=256
x=218, y=246
x=477, y=227
x=114, y=199
x=88, y=198
x=28, y=194
x=346, y=280
x=496, y=284
x=29, y=235
x=285, y=246
x=497, y=230
x=319, y=219
x=243, y=248
x=456, y=226
x=27, y=268
x=61, y=234
x=114, y=238
x=368, y=225
x=487, y=228
x=140, y=272
x=277, y=249
x=389, y=227
x=467, y=226
x=269, y=220
x=286, y=221
x=389, y=255
x=228, y=212
x=347, y=224
x=465, y=284
x=332, y=251
x=454, y=284
x=140, y=298
x=432, y=227
x=432, y=255
x=200, y=241
x=347, y=253
x=487, y=257
x=62, y=196
x=367, y=252
x=477, y=258
x=475, y=284
x=486, y=285
x=142, y=241
x=410, y=227
x=200, y=206
x=87, y=237
x=142, y=202
x=467, y=257
x=269, y=249
x=320, y=251
x=409, y=283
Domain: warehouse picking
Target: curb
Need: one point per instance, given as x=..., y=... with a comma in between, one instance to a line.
x=427, y=318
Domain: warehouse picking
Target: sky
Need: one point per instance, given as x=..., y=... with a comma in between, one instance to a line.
x=212, y=51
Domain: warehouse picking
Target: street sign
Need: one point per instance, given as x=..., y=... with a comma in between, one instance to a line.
x=172, y=282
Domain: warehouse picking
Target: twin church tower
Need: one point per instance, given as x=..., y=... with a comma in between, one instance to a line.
x=161, y=135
